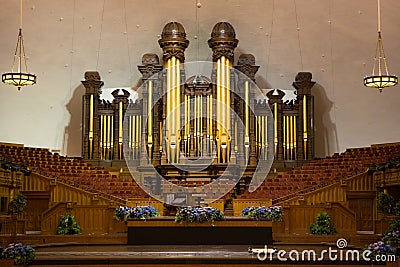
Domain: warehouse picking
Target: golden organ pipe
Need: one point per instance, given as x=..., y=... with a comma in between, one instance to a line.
x=287, y=136
x=108, y=133
x=177, y=108
x=222, y=80
x=139, y=135
x=132, y=136
x=112, y=132
x=284, y=137
x=236, y=137
x=276, y=124
x=120, y=122
x=262, y=133
x=295, y=137
x=291, y=136
x=195, y=122
x=172, y=90
x=211, y=114
x=228, y=109
x=101, y=135
x=105, y=143
x=168, y=112
x=246, y=111
x=228, y=96
x=305, y=126
x=149, y=109
x=266, y=137
x=91, y=108
x=201, y=122
x=218, y=104
x=161, y=147
x=101, y=131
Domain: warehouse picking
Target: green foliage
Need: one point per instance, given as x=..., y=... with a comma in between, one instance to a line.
x=68, y=225
x=385, y=203
x=394, y=225
x=17, y=204
x=397, y=209
x=323, y=225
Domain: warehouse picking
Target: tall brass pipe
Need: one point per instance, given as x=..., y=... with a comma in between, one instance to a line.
x=177, y=103
x=305, y=137
x=276, y=125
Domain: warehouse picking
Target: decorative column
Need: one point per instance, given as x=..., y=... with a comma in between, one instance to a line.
x=223, y=43
x=305, y=102
x=276, y=105
x=246, y=65
x=151, y=66
x=90, y=127
x=120, y=105
x=173, y=43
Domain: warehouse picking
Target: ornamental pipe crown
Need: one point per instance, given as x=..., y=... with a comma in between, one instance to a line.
x=223, y=41
x=173, y=41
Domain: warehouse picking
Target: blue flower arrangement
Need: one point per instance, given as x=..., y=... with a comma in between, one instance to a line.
x=393, y=239
x=22, y=254
x=123, y=213
x=274, y=213
x=198, y=215
x=379, y=248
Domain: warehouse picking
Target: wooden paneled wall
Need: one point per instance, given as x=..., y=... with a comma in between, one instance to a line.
x=91, y=218
x=387, y=177
x=297, y=219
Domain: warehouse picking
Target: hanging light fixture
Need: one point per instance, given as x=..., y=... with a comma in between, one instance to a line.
x=19, y=78
x=380, y=79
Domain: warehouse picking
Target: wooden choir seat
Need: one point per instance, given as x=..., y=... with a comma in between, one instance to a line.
x=74, y=172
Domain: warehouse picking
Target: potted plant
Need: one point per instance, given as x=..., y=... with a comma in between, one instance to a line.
x=323, y=225
x=385, y=203
x=68, y=225
x=17, y=205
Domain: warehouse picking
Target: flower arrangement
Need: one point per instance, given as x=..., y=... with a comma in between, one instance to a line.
x=198, y=215
x=274, y=213
x=393, y=239
x=379, y=248
x=139, y=212
x=22, y=254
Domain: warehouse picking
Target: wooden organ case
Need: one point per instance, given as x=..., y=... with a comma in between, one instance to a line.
x=178, y=120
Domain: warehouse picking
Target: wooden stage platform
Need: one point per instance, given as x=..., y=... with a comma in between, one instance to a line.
x=119, y=255
x=102, y=250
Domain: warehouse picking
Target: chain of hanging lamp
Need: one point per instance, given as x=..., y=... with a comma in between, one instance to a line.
x=380, y=77
x=19, y=78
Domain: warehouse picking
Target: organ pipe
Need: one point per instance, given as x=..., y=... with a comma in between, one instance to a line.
x=91, y=112
x=305, y=137
x=276, y=125
x=173, y=109
x=223, y=110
